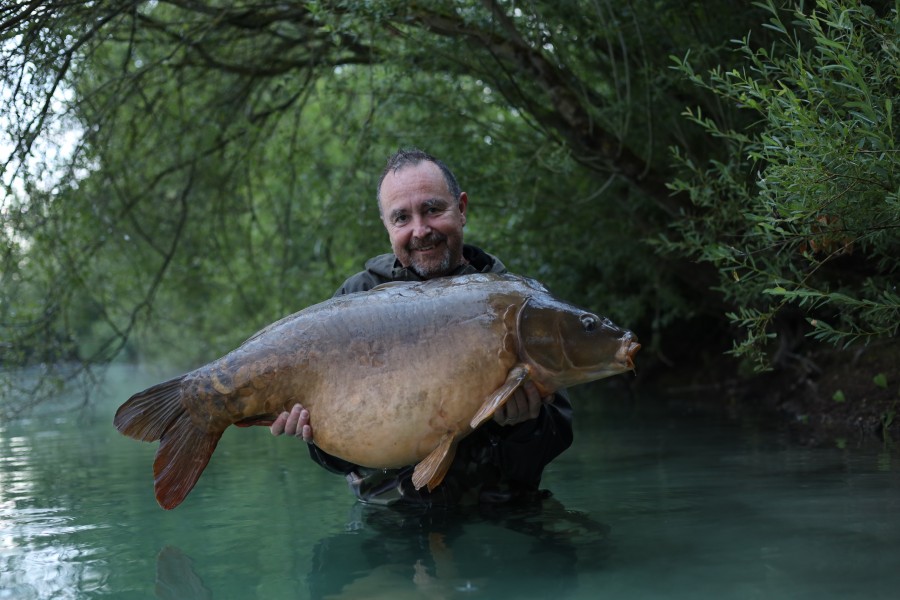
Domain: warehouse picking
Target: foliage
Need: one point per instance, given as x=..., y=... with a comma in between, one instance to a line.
x=802, y=211
x=226, y=157
x=179, y=174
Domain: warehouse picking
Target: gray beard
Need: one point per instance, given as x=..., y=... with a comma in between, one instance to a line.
x=443, y=268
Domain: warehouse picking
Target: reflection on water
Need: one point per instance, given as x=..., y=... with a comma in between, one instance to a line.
x=646, y=504
x=37, y=557
x=440, y=554
x=176, y=578
x=388, y=553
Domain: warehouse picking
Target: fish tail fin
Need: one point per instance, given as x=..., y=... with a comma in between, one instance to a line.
x=184, y=451
x=146, y=415
x=158, y=413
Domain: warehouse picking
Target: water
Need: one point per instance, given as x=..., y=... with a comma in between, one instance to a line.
x=647, y=504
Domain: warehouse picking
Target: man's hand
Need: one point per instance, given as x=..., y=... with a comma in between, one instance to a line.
x=295, y=423
x=525, y=404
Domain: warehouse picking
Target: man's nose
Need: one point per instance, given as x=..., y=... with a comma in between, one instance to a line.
x=421, y=228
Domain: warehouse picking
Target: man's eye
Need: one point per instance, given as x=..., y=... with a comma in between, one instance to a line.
x=400, y=219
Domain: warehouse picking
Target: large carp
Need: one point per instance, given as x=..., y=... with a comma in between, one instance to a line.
x=391, y=377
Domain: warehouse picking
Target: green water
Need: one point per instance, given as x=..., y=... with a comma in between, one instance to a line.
x=647, y=504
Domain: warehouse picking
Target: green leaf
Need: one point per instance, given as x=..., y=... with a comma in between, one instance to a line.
x=839, y=396
x=881, y=381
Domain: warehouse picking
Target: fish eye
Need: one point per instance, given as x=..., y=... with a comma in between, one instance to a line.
x=589, y=322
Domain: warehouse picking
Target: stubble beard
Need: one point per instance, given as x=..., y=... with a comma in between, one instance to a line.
x=429, y=269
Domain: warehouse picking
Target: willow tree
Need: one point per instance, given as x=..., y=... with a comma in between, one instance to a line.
x=222, y=156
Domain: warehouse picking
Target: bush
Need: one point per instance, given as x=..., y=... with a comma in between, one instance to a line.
x=800, y=211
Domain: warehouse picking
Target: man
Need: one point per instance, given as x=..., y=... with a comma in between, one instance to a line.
x=424, y=211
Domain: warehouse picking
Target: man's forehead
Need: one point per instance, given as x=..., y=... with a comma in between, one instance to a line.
x=417, y=183
x=401, y=206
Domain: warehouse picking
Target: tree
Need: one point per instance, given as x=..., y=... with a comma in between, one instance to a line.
x=228, y=154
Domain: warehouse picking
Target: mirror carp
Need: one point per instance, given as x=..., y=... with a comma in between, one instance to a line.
x=391, y=377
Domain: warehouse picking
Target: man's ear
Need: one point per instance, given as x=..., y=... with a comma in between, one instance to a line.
x=463, y=204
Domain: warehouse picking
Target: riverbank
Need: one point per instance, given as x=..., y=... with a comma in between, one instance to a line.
x=827, y=397
x=846, y=395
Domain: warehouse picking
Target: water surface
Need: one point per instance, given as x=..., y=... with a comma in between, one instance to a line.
x=648, y=503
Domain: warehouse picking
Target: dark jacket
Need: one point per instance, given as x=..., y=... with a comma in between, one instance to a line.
x=493, y=463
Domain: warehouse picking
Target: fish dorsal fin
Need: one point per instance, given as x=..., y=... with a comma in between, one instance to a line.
x=432, y=469
x=517, y=376
x=389, y=284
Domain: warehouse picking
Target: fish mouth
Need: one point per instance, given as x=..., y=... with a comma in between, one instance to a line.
x=628, y=350
x=629, y=355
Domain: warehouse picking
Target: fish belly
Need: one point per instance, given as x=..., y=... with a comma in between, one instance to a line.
x=392, y=393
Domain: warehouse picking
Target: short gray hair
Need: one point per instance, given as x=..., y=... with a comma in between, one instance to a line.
x=410, y=157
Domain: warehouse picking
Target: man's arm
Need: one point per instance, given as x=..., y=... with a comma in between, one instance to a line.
x=532, y=444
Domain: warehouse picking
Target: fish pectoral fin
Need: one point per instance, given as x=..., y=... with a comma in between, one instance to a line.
x=517, y=376
x=432, y=469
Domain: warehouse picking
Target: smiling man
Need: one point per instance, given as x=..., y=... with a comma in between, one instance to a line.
x=424, y=218
x=424, y=211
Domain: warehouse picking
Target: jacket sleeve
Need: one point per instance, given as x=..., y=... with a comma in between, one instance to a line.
x=329, y=462
x=532, y=445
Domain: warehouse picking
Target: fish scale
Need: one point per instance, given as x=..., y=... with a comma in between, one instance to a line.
x=391, y=377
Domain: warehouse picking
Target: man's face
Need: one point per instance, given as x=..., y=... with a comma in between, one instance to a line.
x=423, y=220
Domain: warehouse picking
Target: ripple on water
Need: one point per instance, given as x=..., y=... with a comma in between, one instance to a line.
x=40, y=557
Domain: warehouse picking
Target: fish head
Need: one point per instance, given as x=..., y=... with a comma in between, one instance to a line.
x=564, y=345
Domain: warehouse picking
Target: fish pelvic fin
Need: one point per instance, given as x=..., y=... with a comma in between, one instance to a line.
x=432, y=469
x=517, y=376
x=184, y=451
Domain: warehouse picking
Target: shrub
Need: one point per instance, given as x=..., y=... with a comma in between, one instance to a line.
x=800, y=210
